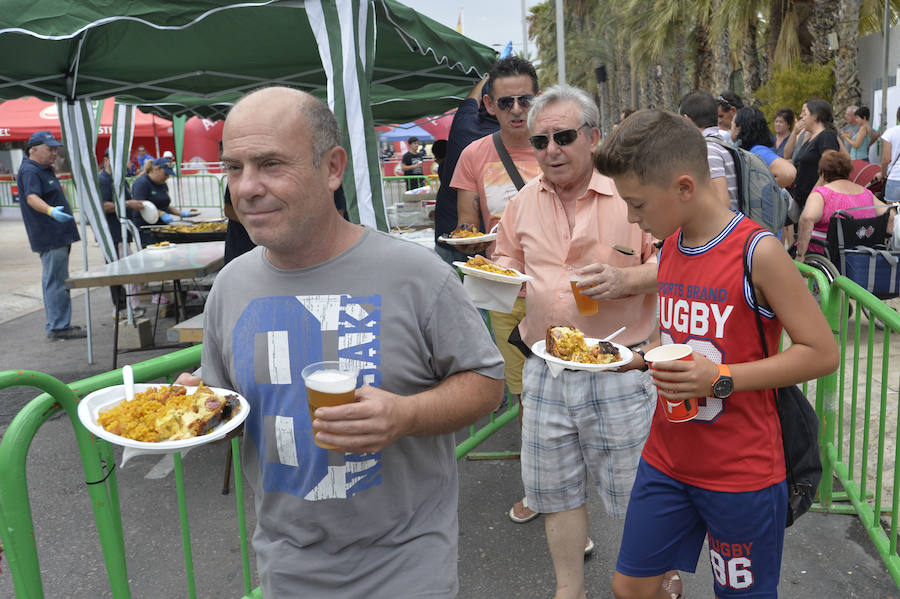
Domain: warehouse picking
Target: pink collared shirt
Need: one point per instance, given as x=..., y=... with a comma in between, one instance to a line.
x=534, y=238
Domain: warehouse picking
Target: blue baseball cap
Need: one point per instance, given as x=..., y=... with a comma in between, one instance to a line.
x=42, y=137
x=165, y=165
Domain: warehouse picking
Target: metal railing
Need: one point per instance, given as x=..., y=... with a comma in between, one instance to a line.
x=190, y=191
x=856, y=433
x=860, y=423
x=207, y=190
x=16, y=523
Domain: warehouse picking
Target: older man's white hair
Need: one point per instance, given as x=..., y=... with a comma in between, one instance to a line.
x=590, y=114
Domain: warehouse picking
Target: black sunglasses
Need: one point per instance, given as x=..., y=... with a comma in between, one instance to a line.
x=560, y=138
x=506, y=102
x=723, y=102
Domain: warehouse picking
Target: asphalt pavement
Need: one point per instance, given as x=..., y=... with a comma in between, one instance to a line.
x=825, y=555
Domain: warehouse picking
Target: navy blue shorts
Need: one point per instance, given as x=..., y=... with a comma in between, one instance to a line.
x=667, y=522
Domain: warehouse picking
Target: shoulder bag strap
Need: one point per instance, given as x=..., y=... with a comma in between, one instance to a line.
x=749, y=276
x=508, y=164
x=891, y=166
x=762, y=339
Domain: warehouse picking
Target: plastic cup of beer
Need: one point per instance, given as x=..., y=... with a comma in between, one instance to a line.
x=328, y=384
x=586, y=305
x=676, y=411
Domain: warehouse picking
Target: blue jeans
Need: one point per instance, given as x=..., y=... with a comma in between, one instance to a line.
x=892, y=191
x=57, y=303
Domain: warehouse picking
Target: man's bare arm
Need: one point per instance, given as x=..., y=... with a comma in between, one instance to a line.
x=468, y=208
x=605, y=282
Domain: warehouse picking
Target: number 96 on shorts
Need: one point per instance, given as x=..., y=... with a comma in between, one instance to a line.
x=732, y=563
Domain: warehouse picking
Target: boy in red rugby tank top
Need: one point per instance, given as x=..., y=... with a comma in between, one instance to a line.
x=719, y=477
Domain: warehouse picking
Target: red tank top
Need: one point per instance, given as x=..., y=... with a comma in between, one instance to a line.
x=734, y=444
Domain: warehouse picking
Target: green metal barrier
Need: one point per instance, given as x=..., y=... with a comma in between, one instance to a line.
x=16, y=524
x=856, y=429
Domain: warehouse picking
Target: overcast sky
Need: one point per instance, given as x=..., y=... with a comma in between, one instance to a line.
x=491, y=22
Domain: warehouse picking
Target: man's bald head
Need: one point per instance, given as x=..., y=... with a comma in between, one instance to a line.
x=283, y=102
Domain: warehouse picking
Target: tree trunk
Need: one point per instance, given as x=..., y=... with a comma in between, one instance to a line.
x=635, y=88
x=776, y=17
x=750, y=65
x=673, y=79
x=703, y=67
x=721, y=56
x=846, y=72
x=822, y=23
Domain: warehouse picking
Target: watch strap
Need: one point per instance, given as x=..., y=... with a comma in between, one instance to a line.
x=640, y=352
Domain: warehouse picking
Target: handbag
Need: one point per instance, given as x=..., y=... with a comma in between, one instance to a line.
x=799, y=427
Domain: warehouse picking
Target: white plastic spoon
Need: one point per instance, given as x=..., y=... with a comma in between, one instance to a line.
x=128, y=379
x=614, y=335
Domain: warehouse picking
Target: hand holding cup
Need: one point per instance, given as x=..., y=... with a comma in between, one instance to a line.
x=681, y=377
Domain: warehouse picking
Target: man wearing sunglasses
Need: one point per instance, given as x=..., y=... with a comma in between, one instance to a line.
x=484, y=185
x=578, y=426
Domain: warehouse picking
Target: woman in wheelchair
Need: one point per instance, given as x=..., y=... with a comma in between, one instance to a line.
x=837, y=193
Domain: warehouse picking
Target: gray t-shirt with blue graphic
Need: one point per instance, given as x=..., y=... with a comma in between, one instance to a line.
x=334, y=524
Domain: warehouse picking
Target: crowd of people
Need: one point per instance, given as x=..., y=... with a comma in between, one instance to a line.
x=378, y=516
x=648, y=224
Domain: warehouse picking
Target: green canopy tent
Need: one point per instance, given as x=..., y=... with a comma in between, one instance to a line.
x=374, y=61
x=370, y=59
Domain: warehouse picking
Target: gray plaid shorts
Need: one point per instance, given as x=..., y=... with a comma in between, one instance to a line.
x=579, y=423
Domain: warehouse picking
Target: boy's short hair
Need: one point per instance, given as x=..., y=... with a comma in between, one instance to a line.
x=412, y=140
x=655, y=146
x=834, y=165
x=700, y=107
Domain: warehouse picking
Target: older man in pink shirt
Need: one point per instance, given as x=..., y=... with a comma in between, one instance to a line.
x=568, y=221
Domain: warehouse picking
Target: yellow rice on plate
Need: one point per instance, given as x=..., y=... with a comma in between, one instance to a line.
x=159, y=414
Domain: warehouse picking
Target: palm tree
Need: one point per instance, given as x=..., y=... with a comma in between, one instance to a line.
x=846, y=70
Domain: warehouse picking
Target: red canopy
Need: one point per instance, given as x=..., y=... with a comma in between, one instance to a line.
x=438, y=126
x=22, y=117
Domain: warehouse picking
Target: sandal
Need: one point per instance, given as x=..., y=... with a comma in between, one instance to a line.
x=522, y=508
x=589, y=548
x=671, y=584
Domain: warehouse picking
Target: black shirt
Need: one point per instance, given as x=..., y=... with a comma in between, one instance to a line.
x=468, y=125
x=106, y=194
x=410, y=159
x=44, y=233
x=807, y=163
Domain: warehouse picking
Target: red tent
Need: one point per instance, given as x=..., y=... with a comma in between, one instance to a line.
x=20, y=118
x=438, y=126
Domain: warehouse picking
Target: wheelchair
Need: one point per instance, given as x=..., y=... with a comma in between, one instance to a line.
x=859, y=248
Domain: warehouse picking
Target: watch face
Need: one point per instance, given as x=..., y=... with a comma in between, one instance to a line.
x=723, y=387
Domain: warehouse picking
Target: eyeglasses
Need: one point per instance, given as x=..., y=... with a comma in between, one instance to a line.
x=560, y=138
x=506, y=102
x=723, y=102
